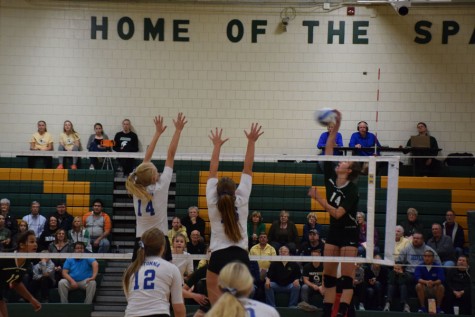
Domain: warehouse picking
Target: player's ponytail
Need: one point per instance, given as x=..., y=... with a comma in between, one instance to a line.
x=226, y=189
x=137, y=182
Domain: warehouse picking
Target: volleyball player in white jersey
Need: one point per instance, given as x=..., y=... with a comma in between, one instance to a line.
x=150, y=283
x=236, y=283
x=228, y=209
x=149, y=189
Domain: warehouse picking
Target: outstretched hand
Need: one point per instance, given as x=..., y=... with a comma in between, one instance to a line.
x=159, y=127
x=338, y=118
x=255, y=132
x=216, y=137
x=180, y=121
x=313, y=193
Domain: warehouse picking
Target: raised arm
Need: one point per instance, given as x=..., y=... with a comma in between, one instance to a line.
x=252, y=137
x=159, y=129
x=179, y=125
x=216, y=138
x=331, y=141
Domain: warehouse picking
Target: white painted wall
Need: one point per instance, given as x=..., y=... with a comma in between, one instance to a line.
x=50, y=69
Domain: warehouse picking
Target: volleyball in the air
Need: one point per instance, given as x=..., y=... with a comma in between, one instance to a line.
x=325, y=116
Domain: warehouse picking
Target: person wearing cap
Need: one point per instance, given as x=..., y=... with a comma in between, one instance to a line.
x=313, y=243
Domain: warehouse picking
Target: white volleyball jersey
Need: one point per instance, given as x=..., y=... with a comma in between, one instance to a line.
x=151, y=287
x=219, y=240
x=184, y=265
x=255, y=308
x=153, y=214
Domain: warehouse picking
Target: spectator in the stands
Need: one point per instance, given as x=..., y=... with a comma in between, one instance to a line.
x=196, y=246
x=322, y=141
x=94, y=144
x=78, y=273
x=65, y=220
x=398, y=280
x=458, y=287
x=401, y=240
x=41, y=141
x=35, y=221
x=176, y=229
x=429, y=277
x=185, y=265
x=10, y=221
x=313, y=243
x=263, y=248
x=49, y=233
x=454, y=230
x=284, y=232
x=43, y=278
x=361, y=219
x=70, y=141
x=22, y=227
x=5, y=236
x=364, y=139
x=80, y=234
x=425, y=166
x=376, y=282
x=283, y=277
x=443, y=245
x=311, y=224
x=312, y=274
x=359, y=286
x=412, y=224
x=193, y=221
x=99, y=225
x=126, y=141
x=60, y=244
x=255, y=226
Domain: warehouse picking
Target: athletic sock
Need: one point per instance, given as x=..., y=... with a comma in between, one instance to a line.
x=327, y=309
x=343, y=309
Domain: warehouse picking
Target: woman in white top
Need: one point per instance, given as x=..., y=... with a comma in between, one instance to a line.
x=150, y=283
x=185, y=265
x=149, y=189
x=68, y=141
x=235, y=302
x=228, y=210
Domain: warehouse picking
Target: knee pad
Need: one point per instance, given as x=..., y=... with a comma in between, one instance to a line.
x=329, y=281
x=345, y=282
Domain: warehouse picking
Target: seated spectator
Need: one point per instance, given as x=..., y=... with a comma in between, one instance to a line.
x=43, y=278
x=196, y=246
x=364, y=139
x=69, y=141
x=376, y=280
x=283, y=277
x=193, y=222
x=429, y=277
x=5, y=236
x=22, y=227
x=358, y=286
x=99, y=225
x=458, y=287
x=312, y=274
x=424, y=165
x=360, y=218
x=442, y=245
x=401, y=240
x=184, y=264
x=78, y=274
x=412, y=224
x=255, y=226
x=65, y=220
x=313, y=243
x=311, y=224
x=35, y=221
x=412, y=255
x=10, y=221
x=176, y=229
x=60, y=245
x=126, y=141
x=322, y=141
x=94, y=144
x=41, y=141
x=49, y=233
x=80, y=234
x=398, y=280
x=454, y=230
x=283, y=232
x=263, y=248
